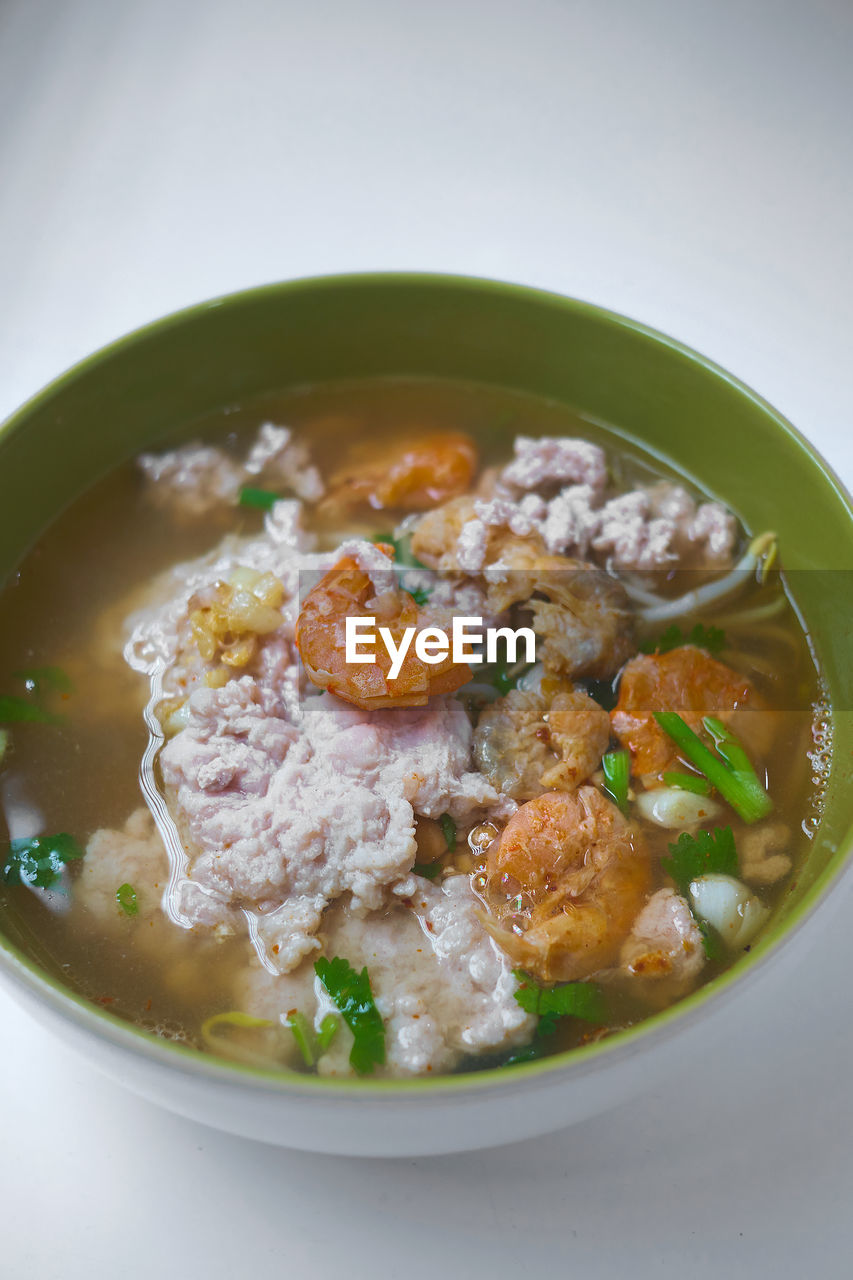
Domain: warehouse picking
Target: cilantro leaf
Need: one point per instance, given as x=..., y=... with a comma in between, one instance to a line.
x=38, y=678
x=261, y=499
x=420, y=595
x=669, y=639
x=712, y=943
x=38, y=860
x=712, y=639
x=571, y=1000
x=701, y=854
x=429, y=870
x=352, y=994
x=18, y=710
x=530, y=1053
x=448, y=830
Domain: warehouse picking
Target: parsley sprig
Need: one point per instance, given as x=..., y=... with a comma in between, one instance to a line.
x=15, y=710
x=429, y=870
x=260, y=499
x=352, y=994
x=38, y=860
x=550, y=1004
x=712, y=639
x=448, y=830
x=40, y=679
x=702, y=854
x=38, y=682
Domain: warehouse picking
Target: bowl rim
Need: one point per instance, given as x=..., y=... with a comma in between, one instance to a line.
x=27, y=976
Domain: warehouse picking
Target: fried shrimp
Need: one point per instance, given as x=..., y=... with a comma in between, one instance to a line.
x=415, y=475
x=686, y=680
x=564, y=883
x=348, y=591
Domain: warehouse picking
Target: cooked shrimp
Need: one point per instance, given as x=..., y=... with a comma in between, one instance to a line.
x=564, y=884
x=415, y=475
x=686, y=680
x=347, y=591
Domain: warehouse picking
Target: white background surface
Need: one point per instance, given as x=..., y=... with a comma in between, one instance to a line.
x=687, y=163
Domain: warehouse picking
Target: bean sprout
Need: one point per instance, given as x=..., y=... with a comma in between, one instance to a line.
x=759, y=554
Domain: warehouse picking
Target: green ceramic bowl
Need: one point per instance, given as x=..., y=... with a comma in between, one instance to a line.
x=655, y=391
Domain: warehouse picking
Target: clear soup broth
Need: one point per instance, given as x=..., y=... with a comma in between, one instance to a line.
x=494, y=916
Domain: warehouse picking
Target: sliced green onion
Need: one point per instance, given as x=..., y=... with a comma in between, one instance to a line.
x=733, y=752
x=326, y=1034
x=126, y=899
x=262, y=499
x=742, y=791
x=728, y=746
x=303, y=1035
x=688, y=782
x=448, y=830
x=312, y=1046
x=502, y=680
x=617, y=774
